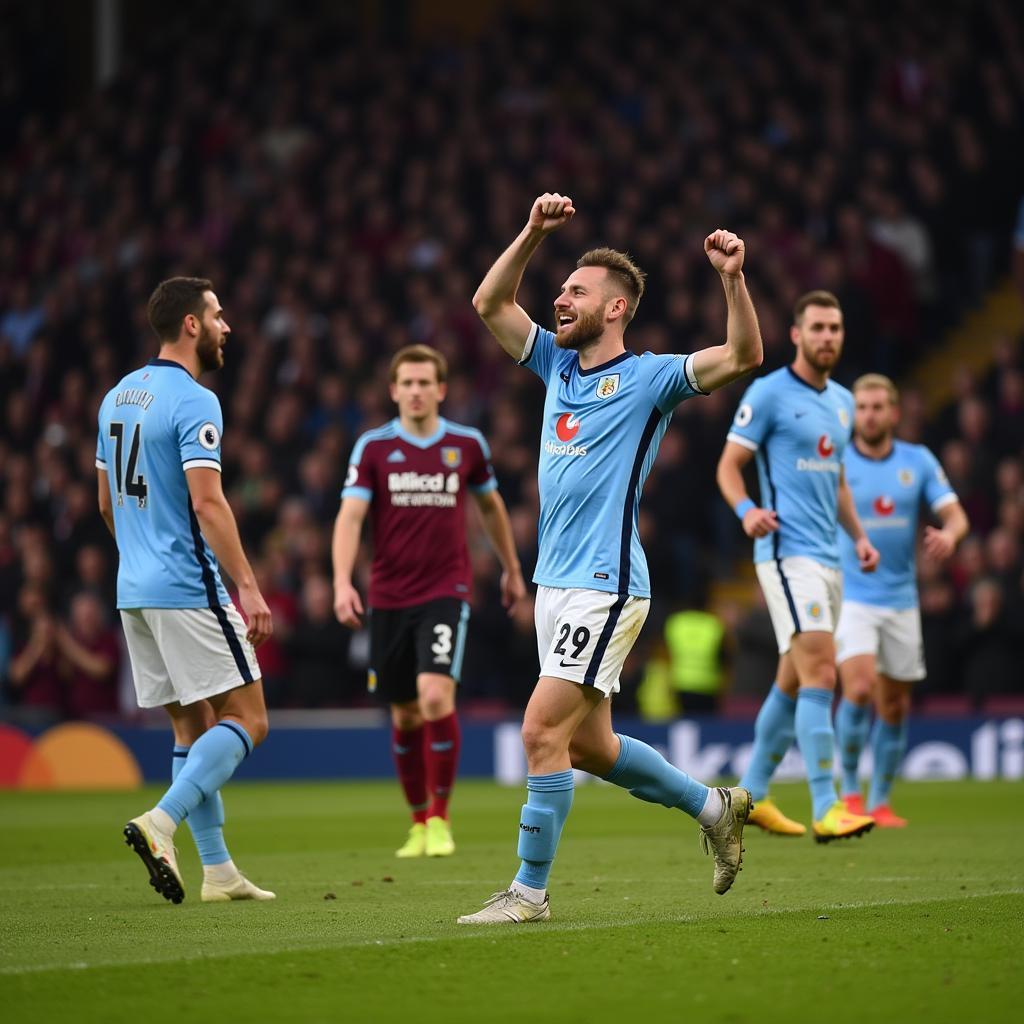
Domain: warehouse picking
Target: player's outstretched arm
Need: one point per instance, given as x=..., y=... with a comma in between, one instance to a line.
x=348, y=525
x=941, y=543
x=495, y=299
x=743, y=350
x=846, y=510
x=494, y=514
x=757, y=522
x=217, y=522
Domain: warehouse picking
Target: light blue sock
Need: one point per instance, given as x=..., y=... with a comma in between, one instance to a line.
x=773, y=736
x=648, y=776
x=888, y=744
x=210, y=763
x=853, y=723
x=206, y=821
x=548, y=800
x=816, y=741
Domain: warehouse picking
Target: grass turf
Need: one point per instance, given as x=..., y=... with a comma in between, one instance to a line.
x=924, y=924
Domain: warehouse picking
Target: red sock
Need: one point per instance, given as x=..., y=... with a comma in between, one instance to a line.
x=407, y=748
x=442, y=757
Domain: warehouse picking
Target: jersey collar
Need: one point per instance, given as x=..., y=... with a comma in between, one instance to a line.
x=601, y=367
x=168, y=362
x=421, y=442
x=796, y=376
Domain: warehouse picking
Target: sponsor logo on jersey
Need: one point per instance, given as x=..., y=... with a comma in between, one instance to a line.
x=423, y=490
x=567, y=427
x=351, y=476
x=906, y=477
x=209, y=436
x=607, y=386
x=451, y=457
x=814, y=610
x=884, y=505
x=396, y=456
x=826, y=464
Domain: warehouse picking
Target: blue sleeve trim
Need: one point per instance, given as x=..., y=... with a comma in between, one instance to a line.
x=485, y=488
x=357, y=492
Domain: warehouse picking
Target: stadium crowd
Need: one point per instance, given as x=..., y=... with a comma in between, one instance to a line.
x=346, y=189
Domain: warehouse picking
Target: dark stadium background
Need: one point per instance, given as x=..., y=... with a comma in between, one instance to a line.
x=346, y=173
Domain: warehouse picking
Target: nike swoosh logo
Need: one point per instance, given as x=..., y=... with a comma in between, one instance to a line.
x=799, y=414
x=570, y=664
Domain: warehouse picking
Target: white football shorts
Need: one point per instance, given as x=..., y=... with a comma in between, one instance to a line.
x=892, y=635
x=187, y=654
x=585, y=635
x=803, y=596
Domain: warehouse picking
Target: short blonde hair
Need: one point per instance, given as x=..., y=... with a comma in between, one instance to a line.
x=870, y=381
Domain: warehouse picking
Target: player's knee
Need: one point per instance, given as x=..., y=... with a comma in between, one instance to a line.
x=436, y=703
x=406, y=718
x=539, y=739
x=257, y=726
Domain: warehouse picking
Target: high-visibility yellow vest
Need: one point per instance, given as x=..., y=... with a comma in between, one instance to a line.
x=694, y=641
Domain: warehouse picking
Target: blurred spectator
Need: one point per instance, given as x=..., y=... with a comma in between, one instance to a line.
x=90, y=659
x=990, y=648
x=318, y=646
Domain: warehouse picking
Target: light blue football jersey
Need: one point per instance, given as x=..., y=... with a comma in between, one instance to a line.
x=155, y=424
x=600, y=436
x=799, y=434
x=888, y=494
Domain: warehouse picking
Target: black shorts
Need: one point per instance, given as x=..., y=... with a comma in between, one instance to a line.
x=404, y=642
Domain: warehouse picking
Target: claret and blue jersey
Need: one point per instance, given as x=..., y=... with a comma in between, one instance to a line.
x=155, y=424
x=799, y=434
x=601, y=431
x=888, y=494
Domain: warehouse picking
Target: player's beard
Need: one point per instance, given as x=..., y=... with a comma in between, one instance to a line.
x=819, y=361
x=874, y=437
x=208, y=351
x=585, y=331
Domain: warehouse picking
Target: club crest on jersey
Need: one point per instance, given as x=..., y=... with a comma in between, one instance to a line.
x=906, y=477
x=844, y=418
x=607, y=386
x=451, y=457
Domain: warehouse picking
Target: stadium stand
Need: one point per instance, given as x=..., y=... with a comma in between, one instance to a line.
x=346, y=184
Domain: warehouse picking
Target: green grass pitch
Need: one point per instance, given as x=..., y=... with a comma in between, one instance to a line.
x=922, y=925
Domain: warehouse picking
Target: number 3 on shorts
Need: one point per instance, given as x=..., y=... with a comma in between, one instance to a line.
x=442, y=646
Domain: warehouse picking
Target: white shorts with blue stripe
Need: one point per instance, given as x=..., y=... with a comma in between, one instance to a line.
x=183, y=655
x=803, y=596
x=585, y=635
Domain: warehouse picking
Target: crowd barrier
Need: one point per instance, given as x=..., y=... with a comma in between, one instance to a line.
x=91, y=756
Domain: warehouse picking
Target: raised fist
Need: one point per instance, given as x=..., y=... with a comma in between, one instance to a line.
x=550, y=211
x=725, y=251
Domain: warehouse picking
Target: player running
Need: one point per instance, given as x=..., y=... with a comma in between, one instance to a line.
x=158, y=468
x=413, y=474
x=878, y=639
x=605, y=413
x=797, y=422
